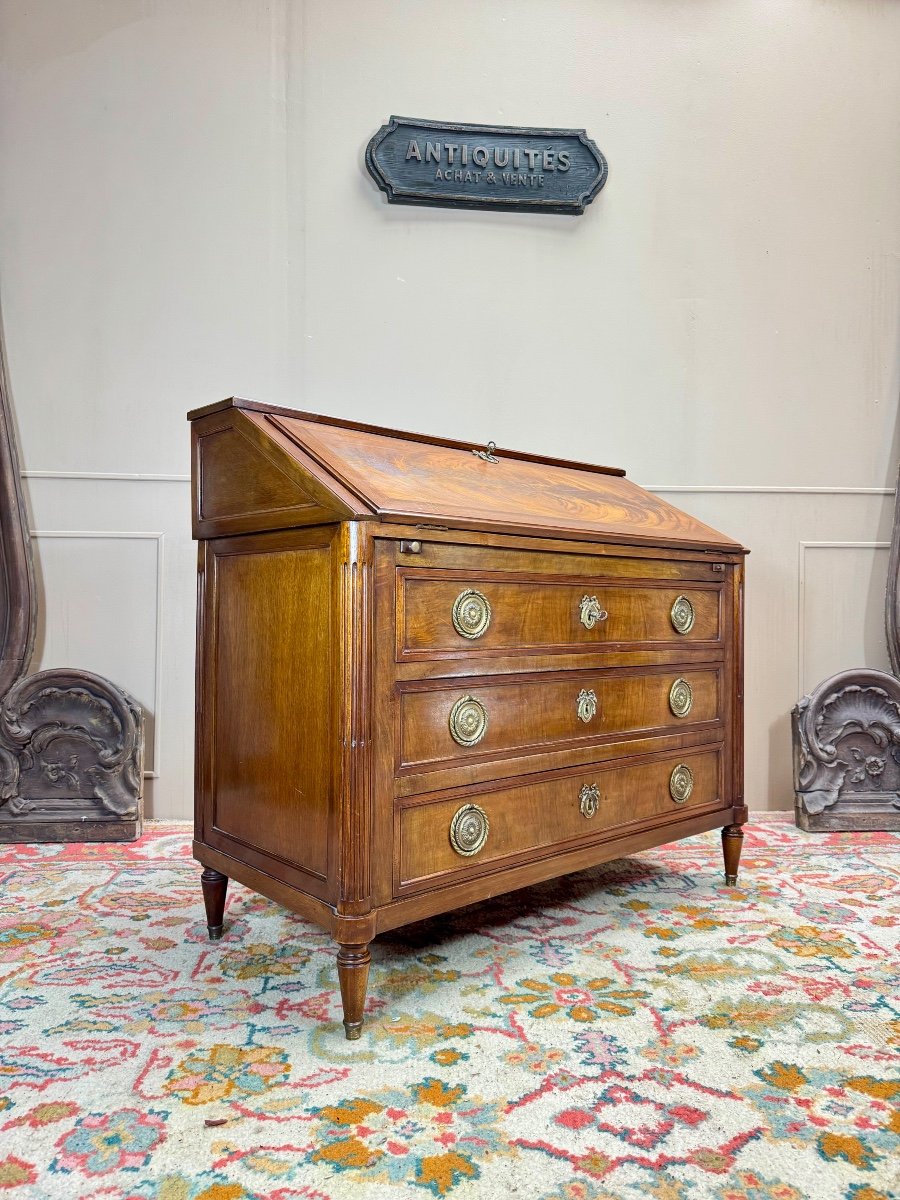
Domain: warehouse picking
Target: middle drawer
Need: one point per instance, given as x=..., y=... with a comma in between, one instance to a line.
x=448, y=721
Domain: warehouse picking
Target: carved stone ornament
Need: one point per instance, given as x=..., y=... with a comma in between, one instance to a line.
x=846, y=736
x=847, y=753
x=71, y=743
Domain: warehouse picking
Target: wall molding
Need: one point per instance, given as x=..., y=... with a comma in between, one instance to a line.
x=765, y=489
x=108, y=476
x=684, y=488
x=144, y=535
x=802, y=548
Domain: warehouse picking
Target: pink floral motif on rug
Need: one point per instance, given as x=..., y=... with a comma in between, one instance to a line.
x=637, y=1030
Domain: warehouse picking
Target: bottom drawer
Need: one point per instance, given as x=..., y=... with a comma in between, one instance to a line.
x=441, y=837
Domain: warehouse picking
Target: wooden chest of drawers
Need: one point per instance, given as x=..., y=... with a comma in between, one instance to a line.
x=428, y=673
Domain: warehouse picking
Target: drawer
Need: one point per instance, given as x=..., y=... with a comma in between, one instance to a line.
x=493, y=613
x=438, y=838
x=446, y=721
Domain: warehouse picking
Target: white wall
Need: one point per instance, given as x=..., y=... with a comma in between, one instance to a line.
x=184, y=215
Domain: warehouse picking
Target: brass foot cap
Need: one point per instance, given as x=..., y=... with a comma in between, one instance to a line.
x=731, y=880
x=215, y=932
x=352, y=1031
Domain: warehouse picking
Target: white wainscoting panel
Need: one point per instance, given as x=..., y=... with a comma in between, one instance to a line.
x=102, y=603
x=116, y=570
x=841, y=609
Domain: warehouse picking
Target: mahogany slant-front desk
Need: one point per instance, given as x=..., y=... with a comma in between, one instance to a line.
x=429, y=672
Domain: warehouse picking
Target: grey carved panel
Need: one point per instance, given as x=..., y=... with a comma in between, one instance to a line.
x=846, y=736
x=847, y=753
x=71, y=743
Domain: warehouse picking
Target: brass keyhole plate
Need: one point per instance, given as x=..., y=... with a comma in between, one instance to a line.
x=586, y=705
x=589, y=800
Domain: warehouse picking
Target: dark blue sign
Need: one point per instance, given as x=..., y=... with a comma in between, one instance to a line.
x=485, y=166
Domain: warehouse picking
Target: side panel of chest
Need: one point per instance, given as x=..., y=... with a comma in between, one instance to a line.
x=267, y=683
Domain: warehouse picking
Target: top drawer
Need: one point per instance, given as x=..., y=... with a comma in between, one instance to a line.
x=494, y=612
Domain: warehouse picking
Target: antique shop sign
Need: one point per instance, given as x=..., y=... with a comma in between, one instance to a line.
x=485, y=166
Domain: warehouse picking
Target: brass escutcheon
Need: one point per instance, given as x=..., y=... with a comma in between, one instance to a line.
x=591, y=612
x=681, y=698
x=469, y=830
x=468, y=721
x=471, y=613
x=682, y=615
x=586, y=705
x=681, y=783
x=588, y=800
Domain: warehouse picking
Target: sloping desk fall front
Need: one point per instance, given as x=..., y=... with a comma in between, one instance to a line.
x=428, y=672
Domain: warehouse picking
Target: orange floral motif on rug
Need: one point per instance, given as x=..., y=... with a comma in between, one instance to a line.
x=634, y=1031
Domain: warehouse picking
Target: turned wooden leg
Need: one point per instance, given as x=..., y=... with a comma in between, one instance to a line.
x=353, y=974
x=732, y=839
x=214, y=885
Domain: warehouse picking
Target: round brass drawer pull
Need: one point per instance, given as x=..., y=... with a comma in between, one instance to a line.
x=469, y=830
x=586, y=705
x=681, y=783
x=590, y=612
x=682, y=615
x=468, y=721
x=681, y=698
x=471, y=613
x=588, y=800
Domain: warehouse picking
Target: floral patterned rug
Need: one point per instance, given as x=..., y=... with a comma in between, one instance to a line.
x=633, y=1031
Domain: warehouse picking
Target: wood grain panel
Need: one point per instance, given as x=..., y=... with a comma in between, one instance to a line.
x=272, y=736
x=485, y=552
x=529, y=615
x=539, y=713
x=409, y=478
x=243, y=482
x=531, y=817
x=535, y=760
x=235, y=478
